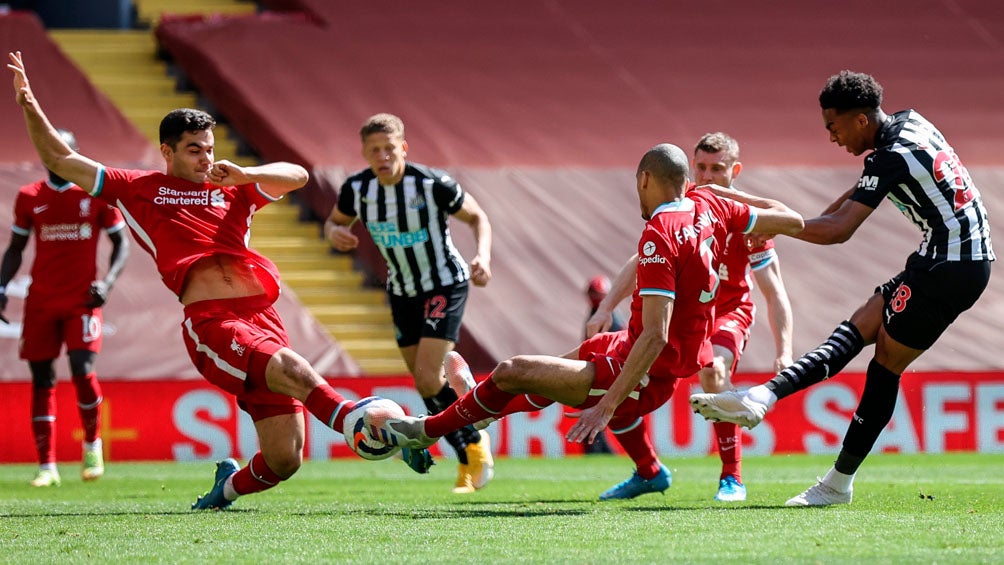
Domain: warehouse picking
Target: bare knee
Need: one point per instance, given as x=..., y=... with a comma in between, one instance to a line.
x=510, y=375
x=289, y=373
x=284, y=463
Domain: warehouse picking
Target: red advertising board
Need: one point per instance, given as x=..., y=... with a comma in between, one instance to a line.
x=187, y=420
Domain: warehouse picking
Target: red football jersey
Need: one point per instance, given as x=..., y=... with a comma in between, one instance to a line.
x=179, y=222
x=735, y=268
x=66, y=223
x=675, y=259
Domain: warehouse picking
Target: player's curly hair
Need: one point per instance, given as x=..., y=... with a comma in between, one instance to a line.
x=177, y=122
x=382, y=123
x=848, y=90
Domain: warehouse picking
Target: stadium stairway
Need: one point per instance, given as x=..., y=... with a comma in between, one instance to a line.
x=148, y=12
x=357, y=316
x=123, y=64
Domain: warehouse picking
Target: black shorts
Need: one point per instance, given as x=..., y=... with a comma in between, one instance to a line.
x=923, y=300
x=437, y=313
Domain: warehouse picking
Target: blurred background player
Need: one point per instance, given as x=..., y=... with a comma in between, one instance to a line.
x=912, y=165
x=716, y=161
x=405, y=207
x=63, y=305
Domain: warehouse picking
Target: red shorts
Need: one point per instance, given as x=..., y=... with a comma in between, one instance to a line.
x=230, y=343
x=45, y=330
x=732, y=331
x=651, y=393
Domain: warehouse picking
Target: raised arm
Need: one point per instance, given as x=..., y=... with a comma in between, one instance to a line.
x=56, y=155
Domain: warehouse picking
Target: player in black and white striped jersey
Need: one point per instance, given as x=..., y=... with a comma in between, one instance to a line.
x=406, y=207
x=913, y=166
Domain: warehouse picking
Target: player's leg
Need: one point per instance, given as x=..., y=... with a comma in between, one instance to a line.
x=475, y=465
x=88, y=389
x=728, y=343
x=43, y=421
x=435, y=319
x=917, y=311
x=562, y=380
x=240, y=345
x=289, y=374
x=41, y=341
x=281, y=438
x=650, y=475
x=875, y=409
x=748, y=408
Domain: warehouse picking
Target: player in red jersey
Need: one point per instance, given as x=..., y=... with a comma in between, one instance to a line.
x=63, y=305
x=616, y=378
x=716, y=161
x=194, y=221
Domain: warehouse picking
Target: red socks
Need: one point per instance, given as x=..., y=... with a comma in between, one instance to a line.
x=486, y=400
x=88, y=403
x=634, y=439
x=255, y=476
x=43, y=423
x=328, y=406
x=729, y=448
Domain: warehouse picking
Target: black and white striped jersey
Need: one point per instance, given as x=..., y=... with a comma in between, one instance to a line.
x=918, y=171
x=408, y=222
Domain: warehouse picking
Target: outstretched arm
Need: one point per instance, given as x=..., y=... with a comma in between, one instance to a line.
x=835, y=225
x=56, y=155
x=473, y=215
x=773, y=216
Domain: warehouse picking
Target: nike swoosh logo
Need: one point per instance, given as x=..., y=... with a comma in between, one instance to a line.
x=40, y=209
x=726, y=448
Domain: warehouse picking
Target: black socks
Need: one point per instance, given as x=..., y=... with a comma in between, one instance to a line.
x=819, y=364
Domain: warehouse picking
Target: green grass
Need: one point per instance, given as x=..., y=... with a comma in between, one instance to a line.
x=906, y=509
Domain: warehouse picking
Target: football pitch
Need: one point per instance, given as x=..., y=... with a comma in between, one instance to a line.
x=906, y=509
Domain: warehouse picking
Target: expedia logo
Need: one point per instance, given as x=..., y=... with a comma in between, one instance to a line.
x=648, y=249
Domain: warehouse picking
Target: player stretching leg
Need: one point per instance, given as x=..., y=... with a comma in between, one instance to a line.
x=911, y=164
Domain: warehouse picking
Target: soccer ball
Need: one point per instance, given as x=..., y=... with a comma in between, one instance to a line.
x=361, y=439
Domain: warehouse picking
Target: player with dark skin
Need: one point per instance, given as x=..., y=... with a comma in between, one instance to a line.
x=911, y=164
